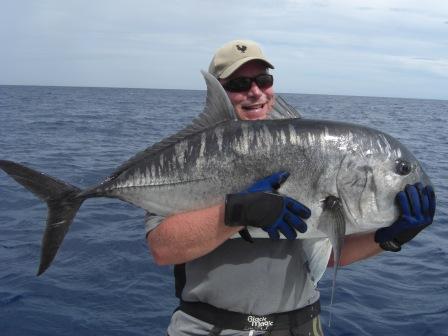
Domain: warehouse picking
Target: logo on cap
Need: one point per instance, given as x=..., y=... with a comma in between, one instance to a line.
x=241, y=48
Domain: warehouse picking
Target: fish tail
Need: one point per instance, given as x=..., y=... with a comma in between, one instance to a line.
x=63, y=201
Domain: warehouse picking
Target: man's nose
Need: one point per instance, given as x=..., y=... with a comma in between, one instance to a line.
x=254, y=90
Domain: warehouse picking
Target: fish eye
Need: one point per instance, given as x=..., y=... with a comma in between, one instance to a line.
x=403, y=167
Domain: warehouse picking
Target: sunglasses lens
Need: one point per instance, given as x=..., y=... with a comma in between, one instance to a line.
x=239, y=84
x=264, y=81
x=242, y=84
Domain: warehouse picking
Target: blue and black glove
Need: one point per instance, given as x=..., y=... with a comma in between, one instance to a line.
x=261, y=206
x=417, y=207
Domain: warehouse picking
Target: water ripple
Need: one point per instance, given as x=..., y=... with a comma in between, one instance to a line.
x=104, y=278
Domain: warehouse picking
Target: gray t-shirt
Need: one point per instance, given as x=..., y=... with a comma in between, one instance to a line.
x=260, y=278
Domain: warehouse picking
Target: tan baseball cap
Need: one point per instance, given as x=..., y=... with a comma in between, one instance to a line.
x=234, y=54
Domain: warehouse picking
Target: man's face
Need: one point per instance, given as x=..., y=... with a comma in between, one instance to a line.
x=255, y=103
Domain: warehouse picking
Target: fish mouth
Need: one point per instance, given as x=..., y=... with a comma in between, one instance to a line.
x=424, y=179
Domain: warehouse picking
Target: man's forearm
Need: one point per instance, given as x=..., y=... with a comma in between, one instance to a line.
x=356, y=248
x=187, y=236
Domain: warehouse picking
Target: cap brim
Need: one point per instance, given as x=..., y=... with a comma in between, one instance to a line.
x=231, y=69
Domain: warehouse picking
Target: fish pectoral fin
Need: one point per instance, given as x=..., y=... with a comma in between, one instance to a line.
x=332, y=223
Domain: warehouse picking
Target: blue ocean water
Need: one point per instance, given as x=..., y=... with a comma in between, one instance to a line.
x=104, y=282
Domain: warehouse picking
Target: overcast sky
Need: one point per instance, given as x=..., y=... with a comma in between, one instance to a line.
x=395, y=48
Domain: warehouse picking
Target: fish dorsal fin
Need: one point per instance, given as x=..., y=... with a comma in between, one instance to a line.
x=218, y=109
x=282, y=110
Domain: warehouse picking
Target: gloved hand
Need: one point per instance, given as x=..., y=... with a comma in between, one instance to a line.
x=417, y=207
x=261, y=206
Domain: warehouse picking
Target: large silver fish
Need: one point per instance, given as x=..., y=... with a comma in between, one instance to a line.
x=348, y=175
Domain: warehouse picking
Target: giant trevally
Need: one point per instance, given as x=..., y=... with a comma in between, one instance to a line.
x=348, y=175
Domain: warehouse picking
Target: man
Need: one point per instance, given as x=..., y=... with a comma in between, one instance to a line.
x=230, y=287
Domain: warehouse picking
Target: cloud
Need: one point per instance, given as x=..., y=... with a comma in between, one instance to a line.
x=435, y=66
x=151, y=43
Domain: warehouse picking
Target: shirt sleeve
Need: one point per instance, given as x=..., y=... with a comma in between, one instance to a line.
x=152, y=221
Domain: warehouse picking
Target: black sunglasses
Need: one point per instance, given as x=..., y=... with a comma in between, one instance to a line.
x=242, y=84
